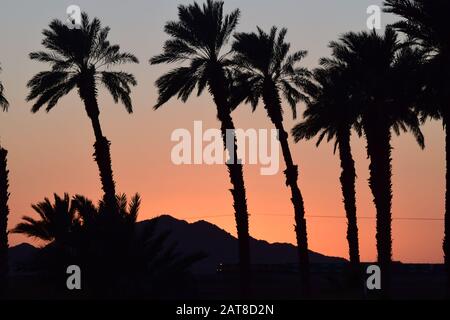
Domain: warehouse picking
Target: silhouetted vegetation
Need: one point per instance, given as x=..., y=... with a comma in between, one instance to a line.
x=331, y=114
x=382, y=76
x=198, y=38
x=266, y=70
x=426, y=25
x=117, y=258
x=82, y=58
x=4, y=209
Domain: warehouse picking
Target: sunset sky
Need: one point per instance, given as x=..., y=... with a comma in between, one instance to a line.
x=53, y=152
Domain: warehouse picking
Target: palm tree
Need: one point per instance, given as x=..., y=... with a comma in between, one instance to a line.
x=198, y=38
x=4, y=209
x=82, y=58
x=267, y=71
x=330, y=114
x=427, y=27
x=118, y=257
x=382, y=76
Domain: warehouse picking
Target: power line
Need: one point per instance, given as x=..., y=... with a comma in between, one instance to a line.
x=374, y=218
x=319, y=217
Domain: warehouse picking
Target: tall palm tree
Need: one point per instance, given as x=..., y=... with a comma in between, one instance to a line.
x=4, y=209
x=330, y=114
x=382, y=76
x=198, y=39
x=266, y=70
x=82, y=59
x=426, y=24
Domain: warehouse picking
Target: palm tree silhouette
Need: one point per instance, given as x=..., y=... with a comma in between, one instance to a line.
x=426, y=25
x=118, y=259
x=198, y=38
x=266, y=71
x=82, y=58
x=4, y=209
x=383, y=78
x=331, y=114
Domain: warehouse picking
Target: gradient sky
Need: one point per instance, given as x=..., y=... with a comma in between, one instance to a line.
x=53, y=152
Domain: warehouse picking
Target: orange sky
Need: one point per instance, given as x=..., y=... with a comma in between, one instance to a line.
x=53, y=152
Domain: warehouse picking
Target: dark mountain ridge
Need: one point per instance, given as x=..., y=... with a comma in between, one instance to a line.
x=201, y=236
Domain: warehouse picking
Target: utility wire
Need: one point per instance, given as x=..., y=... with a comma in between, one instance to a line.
x=320, y=217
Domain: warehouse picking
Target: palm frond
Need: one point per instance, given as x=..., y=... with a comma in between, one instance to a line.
x=196, y=39
x=177, y=82
x=118, y=84
x=4, y=104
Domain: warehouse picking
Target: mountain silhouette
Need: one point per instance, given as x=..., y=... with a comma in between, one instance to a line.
x=222, y=247
x=20, y=256
x=201, y=236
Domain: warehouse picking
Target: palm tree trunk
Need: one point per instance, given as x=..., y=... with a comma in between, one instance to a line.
x=291, y=174
x=217, y=85
x=273, y=107
x=4, y=211
x=239, y=196
x=379, y=152
x=347, y=179
x=102, y=157
x=102, y=153
x=446, y=243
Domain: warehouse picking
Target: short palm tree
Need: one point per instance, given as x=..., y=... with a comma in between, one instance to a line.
x=383, y=78
x=426, y=24
x=198, y=39
x=119, y=257
x=330, y=114
x=4, y=209
x=266, y=70
x=81, y=59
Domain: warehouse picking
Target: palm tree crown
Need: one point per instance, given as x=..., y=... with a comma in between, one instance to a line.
x=56, y=222
x=198, y=38
x=77, y=56
x=330, y=109
x=66, y=218
x=264, y=61
x=425, y=22
x=382, y=76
